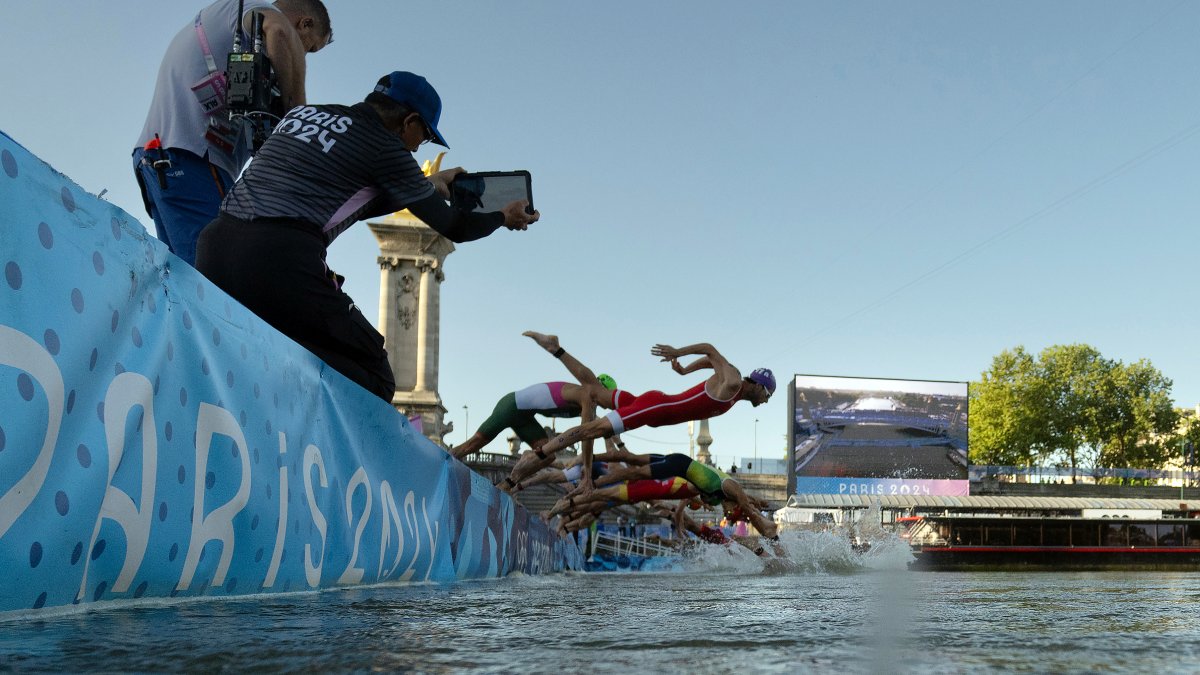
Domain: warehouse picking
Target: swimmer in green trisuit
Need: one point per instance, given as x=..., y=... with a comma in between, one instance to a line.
x=709, y=481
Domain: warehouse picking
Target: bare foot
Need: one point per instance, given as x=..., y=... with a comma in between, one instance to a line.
x=547, y=342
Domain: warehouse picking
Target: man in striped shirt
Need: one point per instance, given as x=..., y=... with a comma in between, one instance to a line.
x=324, y=168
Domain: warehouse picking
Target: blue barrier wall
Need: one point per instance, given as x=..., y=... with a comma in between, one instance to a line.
x=158, y=439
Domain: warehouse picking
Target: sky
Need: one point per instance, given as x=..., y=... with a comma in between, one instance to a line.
x=862, y=189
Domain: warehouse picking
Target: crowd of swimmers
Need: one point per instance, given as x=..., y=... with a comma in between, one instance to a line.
x=597, y=482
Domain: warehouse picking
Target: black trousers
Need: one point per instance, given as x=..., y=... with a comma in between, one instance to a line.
x=276, y=268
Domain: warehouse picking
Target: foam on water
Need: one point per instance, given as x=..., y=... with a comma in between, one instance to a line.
x=829, y=551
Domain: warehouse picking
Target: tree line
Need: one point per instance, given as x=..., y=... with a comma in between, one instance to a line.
x=1070, y=407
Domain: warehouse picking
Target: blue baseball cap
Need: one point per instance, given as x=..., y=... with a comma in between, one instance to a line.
x=415, y=92
x=765, y=377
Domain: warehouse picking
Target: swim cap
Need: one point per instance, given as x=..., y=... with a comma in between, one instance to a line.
x=606, y=380
x=765, y=377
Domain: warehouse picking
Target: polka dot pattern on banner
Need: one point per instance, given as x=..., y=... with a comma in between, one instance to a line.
x=9, y=163
x=12, y=274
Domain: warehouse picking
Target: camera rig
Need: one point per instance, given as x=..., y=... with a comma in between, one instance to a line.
x=253, y=94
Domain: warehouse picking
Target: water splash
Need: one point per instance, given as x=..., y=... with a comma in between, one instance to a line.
x=844, y=549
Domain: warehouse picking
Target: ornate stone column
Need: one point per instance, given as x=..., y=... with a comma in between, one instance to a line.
x=411, y=261
x=704, y=439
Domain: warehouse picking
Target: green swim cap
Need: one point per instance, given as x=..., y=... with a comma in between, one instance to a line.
x=606, y=380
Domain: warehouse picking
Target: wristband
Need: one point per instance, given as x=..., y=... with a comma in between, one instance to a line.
x=557, y=353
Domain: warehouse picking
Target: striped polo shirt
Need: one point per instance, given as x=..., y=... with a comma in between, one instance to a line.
x=331, y=166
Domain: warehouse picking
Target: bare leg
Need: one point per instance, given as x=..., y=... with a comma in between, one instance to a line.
x=626, y=473
x=580, y=522
x=586, y=501
x=544, y=456
x=547, y=475
x=588, y=416
x=582, y=373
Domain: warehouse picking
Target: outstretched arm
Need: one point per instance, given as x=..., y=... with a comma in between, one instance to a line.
x=709, y=357
x=678, y=516
x=727, y=375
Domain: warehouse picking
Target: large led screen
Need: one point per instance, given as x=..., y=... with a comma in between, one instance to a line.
x=859, y=436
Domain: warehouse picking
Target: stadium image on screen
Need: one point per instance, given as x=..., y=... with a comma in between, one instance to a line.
x=878, y=436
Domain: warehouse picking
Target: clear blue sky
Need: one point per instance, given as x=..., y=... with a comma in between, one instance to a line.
x=871, y=189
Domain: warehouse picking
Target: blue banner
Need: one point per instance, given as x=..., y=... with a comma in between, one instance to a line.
x=158, y=439
x=880, y=486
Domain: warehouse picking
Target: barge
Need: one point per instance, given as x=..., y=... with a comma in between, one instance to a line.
x=1027, y=533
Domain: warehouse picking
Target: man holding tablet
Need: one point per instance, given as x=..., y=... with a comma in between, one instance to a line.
x=323, y=169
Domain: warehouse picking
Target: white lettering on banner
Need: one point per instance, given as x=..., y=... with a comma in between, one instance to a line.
x=522, y=549
x=218, y=524
x=127, y=391
x=410, y=514
x=434, y=531
x=20, y=351
x=133, y=511
x=391, y=516
x=312, y=570
x=281, y=526
x=907, y=489
x=352, y=574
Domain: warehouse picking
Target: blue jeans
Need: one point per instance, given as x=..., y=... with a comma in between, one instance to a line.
x=191, y=200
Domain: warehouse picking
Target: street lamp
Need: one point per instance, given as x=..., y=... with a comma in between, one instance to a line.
x=467, y=421
x=756, y=443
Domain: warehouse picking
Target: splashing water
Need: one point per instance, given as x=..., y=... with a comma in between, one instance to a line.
x=829, y=551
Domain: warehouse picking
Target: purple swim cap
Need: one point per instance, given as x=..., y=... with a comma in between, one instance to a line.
x=765, y=377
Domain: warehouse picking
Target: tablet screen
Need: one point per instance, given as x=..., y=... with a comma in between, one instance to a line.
x=490, y=190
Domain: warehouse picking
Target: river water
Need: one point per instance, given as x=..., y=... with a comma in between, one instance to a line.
x=826, y=609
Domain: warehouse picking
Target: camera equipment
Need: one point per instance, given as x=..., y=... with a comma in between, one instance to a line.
x=253, y=94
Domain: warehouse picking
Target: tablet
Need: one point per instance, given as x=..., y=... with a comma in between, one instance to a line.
x=488, y=191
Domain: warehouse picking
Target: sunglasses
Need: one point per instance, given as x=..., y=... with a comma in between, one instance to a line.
x=429, y=135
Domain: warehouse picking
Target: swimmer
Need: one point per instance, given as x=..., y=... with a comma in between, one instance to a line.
x=571, y=473
x=683, y=523
x=710, y=398
x=518, y=410
x=630, y=492
x=710, y=481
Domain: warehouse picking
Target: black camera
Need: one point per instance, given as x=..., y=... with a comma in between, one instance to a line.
x=253, y=92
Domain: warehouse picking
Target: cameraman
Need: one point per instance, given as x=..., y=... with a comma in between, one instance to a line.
x=323, y=169
x=199, y=151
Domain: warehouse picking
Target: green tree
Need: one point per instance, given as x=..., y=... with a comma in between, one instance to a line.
x=1004, y=421
x=1072, y=376
x=1073, y=404
x=1135, y=417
